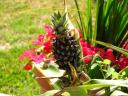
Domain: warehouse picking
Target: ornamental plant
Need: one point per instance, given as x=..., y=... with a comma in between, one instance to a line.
x=82, y=62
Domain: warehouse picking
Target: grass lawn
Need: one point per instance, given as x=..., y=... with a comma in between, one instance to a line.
x=20, y=22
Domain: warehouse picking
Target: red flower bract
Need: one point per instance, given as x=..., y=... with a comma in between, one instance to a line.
x=38, y=58
x=32, y=56
x=122, y=63
x=84, y=44
x=39, y=40
x=87, y=60
x=49, y=31
x=109, y=55
x=88, y=50
x=28, y=54
x=28, y=67
x=47, y=46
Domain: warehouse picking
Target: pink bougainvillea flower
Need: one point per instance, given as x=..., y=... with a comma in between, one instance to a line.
x=28, y=67
x=48, y=29
x=28, y=54
x=87, y=60
x=84, y=44
x=109, y=55
x=122, y=62
x=32, y=56
x=49, y=32
x=86, y=48
x=39, y=40
x=87, y=51
x=48, y=46
x=38, y=58
x=102, y=51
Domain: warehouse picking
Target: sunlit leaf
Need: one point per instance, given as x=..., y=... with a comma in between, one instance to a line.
x=118, y=93
x=109, y=72
x=118, y=49
x=50, y=93
x=123, y=83
x=124, y=72
x=106, y=61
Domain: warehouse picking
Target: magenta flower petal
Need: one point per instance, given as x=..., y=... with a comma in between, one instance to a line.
x=49, y=31
x=39, y=41
x=38, y=58
x=122, y=62
x=28, y=54
x=109, y=55
x=87, y=60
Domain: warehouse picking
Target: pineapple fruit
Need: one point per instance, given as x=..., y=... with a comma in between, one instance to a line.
x=66, y=47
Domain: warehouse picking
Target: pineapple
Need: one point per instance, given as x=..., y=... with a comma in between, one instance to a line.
x=66, y=47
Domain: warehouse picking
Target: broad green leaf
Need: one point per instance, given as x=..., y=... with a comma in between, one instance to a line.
x=53, y=71
x=94, y=83
x=50, y=93
x=66, y=94
x=122, y=83
x=95, y=70
x=115, y=75
x=76, y=91
x=94, y=66
x=82, y=90
x=109, y=72
x=54, y=92
x=95, y=73
x=124, y=72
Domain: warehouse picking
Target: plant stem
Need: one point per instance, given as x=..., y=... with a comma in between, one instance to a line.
x=107, y=91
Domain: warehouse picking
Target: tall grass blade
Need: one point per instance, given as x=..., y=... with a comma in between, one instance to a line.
x=118, y=49
x=89, y=17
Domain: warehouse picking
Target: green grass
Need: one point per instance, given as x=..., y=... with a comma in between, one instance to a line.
x=20, y=22
x=13, y=79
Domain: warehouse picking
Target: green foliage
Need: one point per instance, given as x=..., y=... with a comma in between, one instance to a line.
x=101, y=68
x=50, y=93
x=94, y=69
x=123, y=73
x=111, y=22
x=82, y=90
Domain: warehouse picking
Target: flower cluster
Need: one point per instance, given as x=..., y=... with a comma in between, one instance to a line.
x=44, y=41
x=89, y=51
x=122, y=62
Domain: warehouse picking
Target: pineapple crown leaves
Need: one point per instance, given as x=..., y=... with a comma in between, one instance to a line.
x=60, y=23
